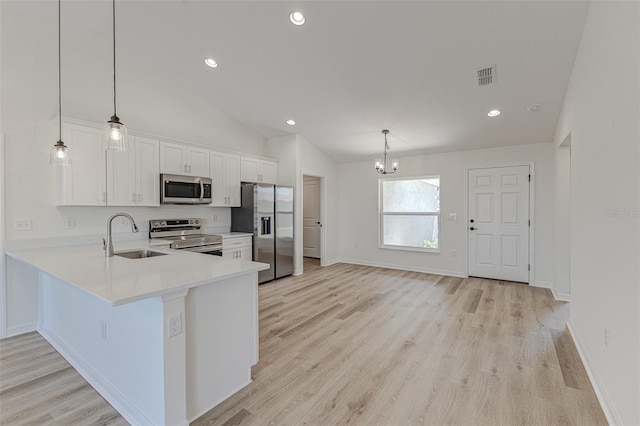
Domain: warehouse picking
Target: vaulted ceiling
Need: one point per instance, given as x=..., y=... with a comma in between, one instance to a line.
x=353, y=69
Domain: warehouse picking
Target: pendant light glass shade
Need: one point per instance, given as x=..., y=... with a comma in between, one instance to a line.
x=59, y=152
x=59, y=155
x=115, y=135
x=115, y=132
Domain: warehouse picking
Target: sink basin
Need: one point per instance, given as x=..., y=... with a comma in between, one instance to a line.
x=139, y=254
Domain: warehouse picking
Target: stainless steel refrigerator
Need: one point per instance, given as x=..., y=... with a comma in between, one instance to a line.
x=267, y=212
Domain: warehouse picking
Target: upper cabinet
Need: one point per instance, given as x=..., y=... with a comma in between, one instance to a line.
x=98, y=178
x=181, y=159
x=133, y=177
x=261, y=171
x=83, y=183
x=225, y=173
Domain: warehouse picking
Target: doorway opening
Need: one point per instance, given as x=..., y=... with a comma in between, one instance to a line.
x=312, y=213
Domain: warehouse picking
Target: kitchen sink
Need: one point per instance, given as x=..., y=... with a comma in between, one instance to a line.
x=139, y=254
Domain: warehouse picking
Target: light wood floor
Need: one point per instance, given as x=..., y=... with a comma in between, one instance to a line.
x=368, y=346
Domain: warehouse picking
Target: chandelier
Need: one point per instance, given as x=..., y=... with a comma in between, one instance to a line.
x=381, y=165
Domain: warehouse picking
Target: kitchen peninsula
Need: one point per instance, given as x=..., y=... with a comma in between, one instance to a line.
x=162, y=338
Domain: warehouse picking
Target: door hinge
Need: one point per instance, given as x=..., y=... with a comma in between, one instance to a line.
x=528, y=267
x=529, y=222
x=529, y=178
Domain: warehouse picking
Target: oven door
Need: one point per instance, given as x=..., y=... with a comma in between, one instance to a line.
x=212, y=250
x=176, y=189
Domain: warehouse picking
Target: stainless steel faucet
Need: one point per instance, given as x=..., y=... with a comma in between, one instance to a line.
x=107, y=246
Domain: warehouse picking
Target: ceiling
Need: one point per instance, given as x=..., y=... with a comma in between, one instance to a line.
x=353, y=69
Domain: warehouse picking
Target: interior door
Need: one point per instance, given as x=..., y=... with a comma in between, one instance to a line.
x=311, y=217
x=498, y=228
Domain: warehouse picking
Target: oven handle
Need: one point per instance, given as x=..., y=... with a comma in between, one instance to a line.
x=202, y=249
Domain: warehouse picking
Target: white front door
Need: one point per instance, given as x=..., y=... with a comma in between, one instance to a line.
x=311, y=217
x=498, y=228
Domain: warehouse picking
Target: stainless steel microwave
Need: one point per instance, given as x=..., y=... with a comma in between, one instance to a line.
x=178, y=189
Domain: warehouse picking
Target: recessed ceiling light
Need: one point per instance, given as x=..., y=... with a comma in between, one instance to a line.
x=291, y=122
x=494, y=113
x=297, y=18
x=533, y=107
x=211, y=62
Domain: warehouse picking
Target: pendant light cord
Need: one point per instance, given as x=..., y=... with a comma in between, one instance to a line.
x=114, y=58
x=59, y=74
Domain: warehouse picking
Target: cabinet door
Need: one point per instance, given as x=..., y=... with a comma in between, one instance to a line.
x=232, y=180
x=246, y=253
x=249, y=169
x=147, y=172
x=84, y=182
x=198, y=161
x=173, y=158
x=121, y=180
x=268, y=172
x=218, y=196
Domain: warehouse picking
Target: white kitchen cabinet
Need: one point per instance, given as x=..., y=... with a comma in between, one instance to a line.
x=83, y=183
x=133, y=177
x=225, y=173
x=182, y=159
x=261, y=171
x=237, y=248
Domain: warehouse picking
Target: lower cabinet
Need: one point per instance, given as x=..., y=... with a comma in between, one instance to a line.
x=237, y=248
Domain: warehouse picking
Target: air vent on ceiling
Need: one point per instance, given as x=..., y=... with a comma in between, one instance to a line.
x=486, y=75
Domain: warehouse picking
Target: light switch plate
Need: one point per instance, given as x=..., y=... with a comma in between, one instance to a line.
x=452, y=216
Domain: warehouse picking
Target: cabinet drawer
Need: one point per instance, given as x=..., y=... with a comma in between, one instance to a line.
x=230, y=243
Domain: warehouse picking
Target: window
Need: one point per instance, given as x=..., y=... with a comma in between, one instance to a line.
x=410, y=213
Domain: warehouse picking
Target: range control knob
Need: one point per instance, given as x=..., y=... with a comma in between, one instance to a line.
x=155, y=223
x=190, y=221
x=197, y=222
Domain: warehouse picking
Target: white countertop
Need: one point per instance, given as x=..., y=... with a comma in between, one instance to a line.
x=119, y=280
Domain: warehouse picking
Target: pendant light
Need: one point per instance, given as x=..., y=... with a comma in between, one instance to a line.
x=115, y=133
x=59, y=152
x=381, y=165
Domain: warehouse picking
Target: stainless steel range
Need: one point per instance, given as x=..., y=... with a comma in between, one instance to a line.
x=185, y=234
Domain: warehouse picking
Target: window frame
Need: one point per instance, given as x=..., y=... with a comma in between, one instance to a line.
x=381, y=215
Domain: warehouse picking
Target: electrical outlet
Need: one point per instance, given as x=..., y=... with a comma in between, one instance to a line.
x=23, y=225
x=174, y=325
x=215, y=218
x=69, y=223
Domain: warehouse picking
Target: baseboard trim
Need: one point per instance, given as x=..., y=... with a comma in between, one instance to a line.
x=562, y=297
x=26, y=327
x=206, y=410
x=613, y=418
x=404, y=268
x=108, y=391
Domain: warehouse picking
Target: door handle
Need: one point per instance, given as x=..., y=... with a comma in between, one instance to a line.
x=473, y=229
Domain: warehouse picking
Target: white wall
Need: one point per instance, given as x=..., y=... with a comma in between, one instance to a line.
x=601, y=112
x=562, y=222
x=315, y=163
x=297, y=158
x=359, y=209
